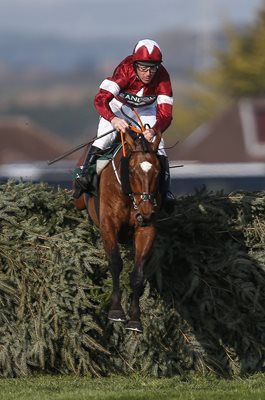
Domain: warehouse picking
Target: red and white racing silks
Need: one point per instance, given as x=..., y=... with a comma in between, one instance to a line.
x=125, y=87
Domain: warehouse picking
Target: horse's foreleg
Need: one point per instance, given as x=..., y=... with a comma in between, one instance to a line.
x=116, y=312
x=144, y=238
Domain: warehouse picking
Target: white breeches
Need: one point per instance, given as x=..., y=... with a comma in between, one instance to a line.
x=146, y=113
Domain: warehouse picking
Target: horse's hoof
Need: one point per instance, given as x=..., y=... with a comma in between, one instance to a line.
x=135, y=326
x=117, y=316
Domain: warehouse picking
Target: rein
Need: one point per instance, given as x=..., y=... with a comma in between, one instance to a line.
x=122, y=134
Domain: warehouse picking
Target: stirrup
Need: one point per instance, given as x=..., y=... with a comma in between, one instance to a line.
x=81, y=185
x=82, y=182
x=169, y=196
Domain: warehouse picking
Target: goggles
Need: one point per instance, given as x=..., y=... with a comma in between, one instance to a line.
x=144, y=68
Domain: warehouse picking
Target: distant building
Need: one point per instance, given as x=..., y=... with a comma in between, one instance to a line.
x=24, y=141
x=236, y=135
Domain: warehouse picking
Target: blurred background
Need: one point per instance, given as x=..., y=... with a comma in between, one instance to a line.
x=55, y=53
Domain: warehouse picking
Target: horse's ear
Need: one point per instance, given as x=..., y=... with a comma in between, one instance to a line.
x=156, y=142
x=130, y=141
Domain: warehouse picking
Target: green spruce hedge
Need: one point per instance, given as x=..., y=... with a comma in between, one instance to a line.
x=203, y=307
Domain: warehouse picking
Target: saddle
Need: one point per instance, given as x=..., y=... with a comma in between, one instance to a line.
x=95, y=169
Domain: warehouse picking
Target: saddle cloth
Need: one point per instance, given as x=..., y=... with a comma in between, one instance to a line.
x=96, y=168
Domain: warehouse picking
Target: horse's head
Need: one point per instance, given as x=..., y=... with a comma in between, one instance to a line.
x=144, y=174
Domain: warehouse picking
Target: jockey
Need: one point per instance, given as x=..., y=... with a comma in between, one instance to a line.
x=139, y=81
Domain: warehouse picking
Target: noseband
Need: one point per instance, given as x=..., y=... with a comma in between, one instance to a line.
x=144, y=196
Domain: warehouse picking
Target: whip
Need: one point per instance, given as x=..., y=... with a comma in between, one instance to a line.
x=69, y=152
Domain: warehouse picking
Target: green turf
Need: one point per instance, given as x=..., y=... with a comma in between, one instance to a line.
x=133, y=388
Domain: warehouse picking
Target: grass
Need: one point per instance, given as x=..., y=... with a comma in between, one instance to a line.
x=133, y=388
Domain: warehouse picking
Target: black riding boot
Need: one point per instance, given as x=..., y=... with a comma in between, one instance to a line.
x=168, y=199
x=82, y=182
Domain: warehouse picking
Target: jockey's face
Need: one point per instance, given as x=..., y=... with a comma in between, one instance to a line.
x=146, y=74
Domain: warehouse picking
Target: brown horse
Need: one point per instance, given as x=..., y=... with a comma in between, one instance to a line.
x=120, y=212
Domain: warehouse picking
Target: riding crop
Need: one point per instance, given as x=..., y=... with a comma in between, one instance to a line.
x=68, y=153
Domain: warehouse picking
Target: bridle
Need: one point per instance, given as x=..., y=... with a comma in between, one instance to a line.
x=143, y=196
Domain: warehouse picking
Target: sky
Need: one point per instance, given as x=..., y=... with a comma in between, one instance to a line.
x=98, y=18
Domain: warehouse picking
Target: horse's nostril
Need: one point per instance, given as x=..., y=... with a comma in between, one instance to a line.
x=140, y=218
x=145, y=219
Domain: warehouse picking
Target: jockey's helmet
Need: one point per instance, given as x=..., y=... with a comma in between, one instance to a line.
x=148, y=52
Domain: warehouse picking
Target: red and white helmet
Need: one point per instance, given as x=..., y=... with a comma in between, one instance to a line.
x=147, y=51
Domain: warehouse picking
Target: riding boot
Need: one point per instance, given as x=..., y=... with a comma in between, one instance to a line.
x=168, y=199
x=82, y=182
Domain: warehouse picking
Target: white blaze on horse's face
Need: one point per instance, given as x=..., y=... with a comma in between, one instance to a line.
x=146, y=166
